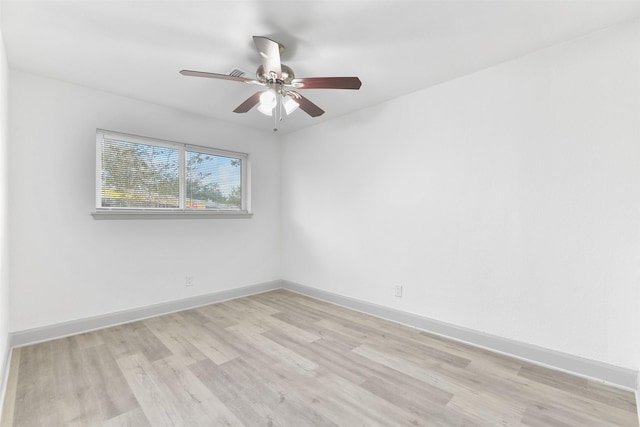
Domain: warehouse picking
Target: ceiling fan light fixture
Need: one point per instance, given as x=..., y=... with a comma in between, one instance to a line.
x=290, y=105
x=267, y=102
x=265, y=111
x=268, y=98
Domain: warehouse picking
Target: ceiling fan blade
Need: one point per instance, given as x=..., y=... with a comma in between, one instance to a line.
x=219, y=76
x=269, y=51
x=327, y=83
x=307, y=106
x=249, y=103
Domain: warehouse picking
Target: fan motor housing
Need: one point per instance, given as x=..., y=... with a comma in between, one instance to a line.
x=287, y=75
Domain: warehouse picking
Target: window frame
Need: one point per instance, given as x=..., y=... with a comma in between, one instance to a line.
x=170, y=213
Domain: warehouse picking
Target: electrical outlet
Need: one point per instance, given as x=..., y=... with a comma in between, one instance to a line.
x=398, y=291
x=188, y=281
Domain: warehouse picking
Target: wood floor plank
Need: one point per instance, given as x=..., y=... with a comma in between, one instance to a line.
x=267, y=346
x=240, y=346
x=484, y=409
x=279, y=301
x=192, y=396
x=52, y=378
x=107, y=382
x=332, y=359
x=6, y=417
x=270, y=322
x=353, y=398
x=87, y=340
x=216, y=316
x=315, y=329
x=298, y=393
x=174, y=333
x=549, y=414
x=154, y=396
x=542, y=395
x=281, y=404
x=78, y=398
x=195, y=335
x=406, y=349
x=579, y=386
x=284, y=359
x=414, y=397
x=427, y=406
x=234, y=394
x=35, y=393
x=132, y=338
x=134, y=418
x=423, y=373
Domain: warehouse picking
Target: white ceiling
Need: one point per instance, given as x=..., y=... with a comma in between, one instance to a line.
x=136, y=48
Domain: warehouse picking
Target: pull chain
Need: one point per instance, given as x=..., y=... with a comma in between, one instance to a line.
x=275, y=121
x=277, y=113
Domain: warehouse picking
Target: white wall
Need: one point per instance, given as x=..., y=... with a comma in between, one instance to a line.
x=4, y=215
x=65, y=265
x=507, y=201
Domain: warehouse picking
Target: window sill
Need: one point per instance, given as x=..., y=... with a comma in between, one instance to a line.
x=166, y=214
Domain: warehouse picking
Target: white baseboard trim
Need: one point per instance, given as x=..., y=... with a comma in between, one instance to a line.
x=576, y=365
x=73, y=327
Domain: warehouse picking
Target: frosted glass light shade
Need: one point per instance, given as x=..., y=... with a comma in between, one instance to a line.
x=267, y=111
x=290, y=105
x=267, y=102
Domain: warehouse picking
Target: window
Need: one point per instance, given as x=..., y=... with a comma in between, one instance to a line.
x=143, y=175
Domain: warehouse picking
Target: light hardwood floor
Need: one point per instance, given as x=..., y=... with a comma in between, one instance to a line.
x=282, y=359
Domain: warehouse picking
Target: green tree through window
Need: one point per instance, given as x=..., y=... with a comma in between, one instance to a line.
x=212, y=181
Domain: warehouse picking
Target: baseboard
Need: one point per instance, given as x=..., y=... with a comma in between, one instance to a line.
x=592, y=369
x=64, y=329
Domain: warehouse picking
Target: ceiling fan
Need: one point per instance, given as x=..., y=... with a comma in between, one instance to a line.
x=281, y=85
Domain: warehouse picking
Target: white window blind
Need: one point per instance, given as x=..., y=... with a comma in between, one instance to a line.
x=138, y=173
x=213, y=182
